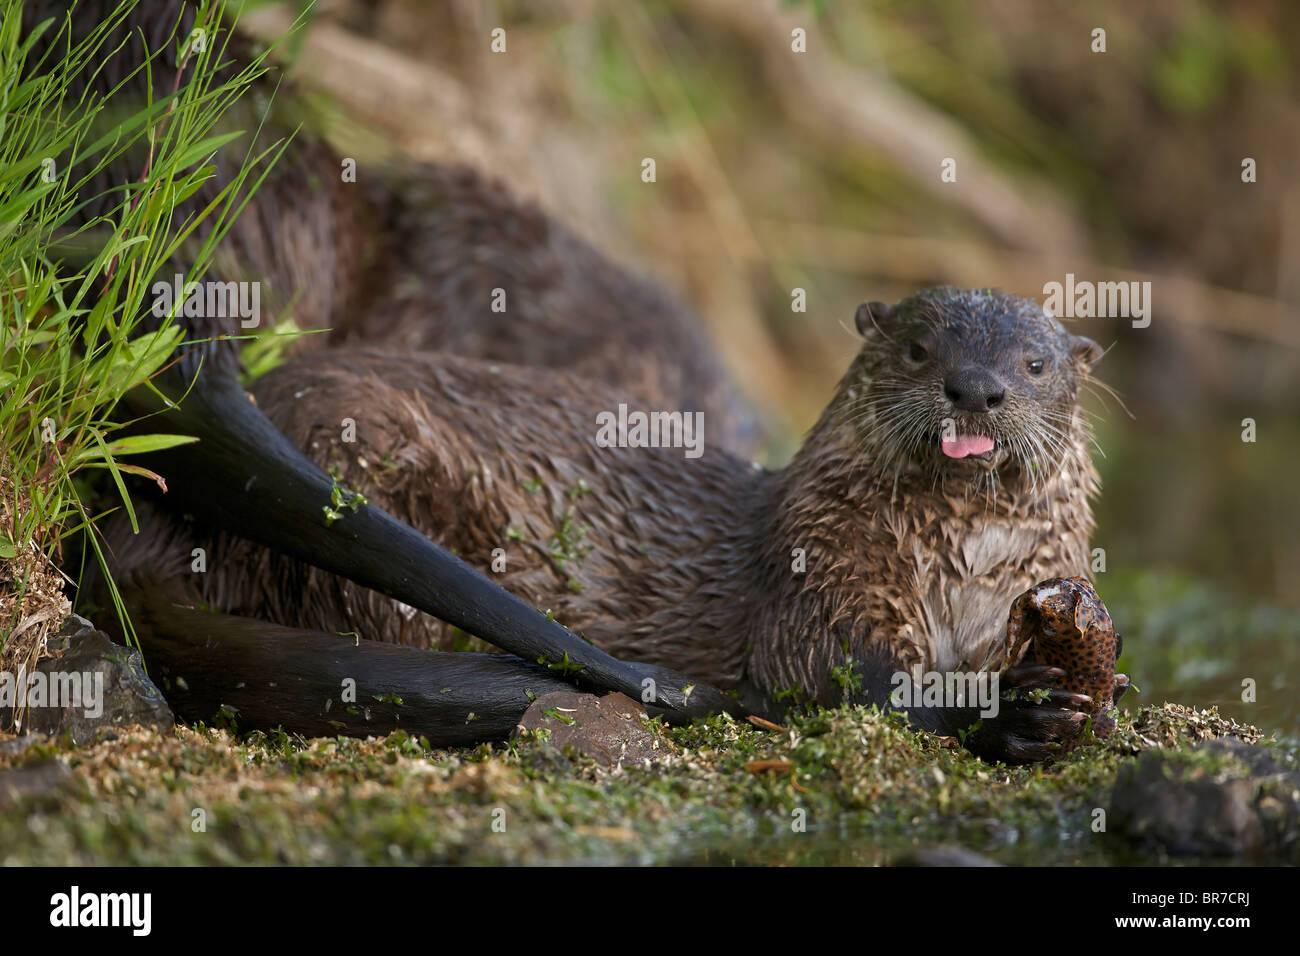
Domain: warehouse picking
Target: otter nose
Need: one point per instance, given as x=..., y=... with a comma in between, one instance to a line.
x=974, y=390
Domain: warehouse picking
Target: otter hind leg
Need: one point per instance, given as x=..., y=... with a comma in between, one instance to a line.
x=244, y=476
x=265, y=676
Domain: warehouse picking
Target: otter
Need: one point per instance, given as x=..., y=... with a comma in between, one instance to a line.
x=949, y=472
x=996, y=488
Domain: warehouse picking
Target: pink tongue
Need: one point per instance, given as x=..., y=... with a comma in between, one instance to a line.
x=964, y=445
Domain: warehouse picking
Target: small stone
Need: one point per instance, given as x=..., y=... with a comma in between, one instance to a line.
x=608, y=729
x=129, y=696
x=1220, y=798
x=943, y=855
x=49, y=776
x=16, y=745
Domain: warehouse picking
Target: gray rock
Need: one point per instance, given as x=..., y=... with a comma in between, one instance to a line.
x=1221, y=798
x=16, y=745
x=42, y=779
x=110, y=671
x=943, y=855
x=608, y=729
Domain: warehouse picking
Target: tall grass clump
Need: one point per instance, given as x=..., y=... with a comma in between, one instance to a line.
x=74, y=284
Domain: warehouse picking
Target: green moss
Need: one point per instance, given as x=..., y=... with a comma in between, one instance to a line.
x=341, y=498
x=566, y=544
x=576, y=491
x=564, y=718
x=868, y=785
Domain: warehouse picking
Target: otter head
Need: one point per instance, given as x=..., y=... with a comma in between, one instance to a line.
x=971, y=383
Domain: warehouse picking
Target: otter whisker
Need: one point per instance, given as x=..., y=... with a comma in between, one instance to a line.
x=1101, y=389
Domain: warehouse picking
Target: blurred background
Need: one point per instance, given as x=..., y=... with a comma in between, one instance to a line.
x=820, y=171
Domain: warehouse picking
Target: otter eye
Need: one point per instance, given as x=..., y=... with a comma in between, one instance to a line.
x=917, y=352
x=1036, y=367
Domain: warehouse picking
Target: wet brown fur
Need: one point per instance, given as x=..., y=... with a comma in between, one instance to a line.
x=688, y=562
x=683, y=562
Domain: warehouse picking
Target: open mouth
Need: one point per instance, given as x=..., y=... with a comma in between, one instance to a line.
x=971, y=450
x=969, y=446
x=965, y=451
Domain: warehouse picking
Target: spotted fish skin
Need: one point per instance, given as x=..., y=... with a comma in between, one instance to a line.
x=1064, y=624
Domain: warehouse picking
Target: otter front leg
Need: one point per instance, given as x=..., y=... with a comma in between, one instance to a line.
x=1024, y=730
x=244, y=476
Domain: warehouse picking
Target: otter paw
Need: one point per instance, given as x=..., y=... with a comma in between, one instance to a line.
x=1028, y=732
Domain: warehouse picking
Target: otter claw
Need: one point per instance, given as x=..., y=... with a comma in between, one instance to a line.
x=1060, y=700
x=1122, y=685
x=1032, y=676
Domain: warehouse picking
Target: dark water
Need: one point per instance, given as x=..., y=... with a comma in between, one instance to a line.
x=1201, y=532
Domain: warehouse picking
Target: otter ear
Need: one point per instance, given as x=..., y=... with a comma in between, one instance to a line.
x=870, y=314
x=1086, y=351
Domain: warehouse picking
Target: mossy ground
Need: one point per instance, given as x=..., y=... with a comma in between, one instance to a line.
x=868, y=787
